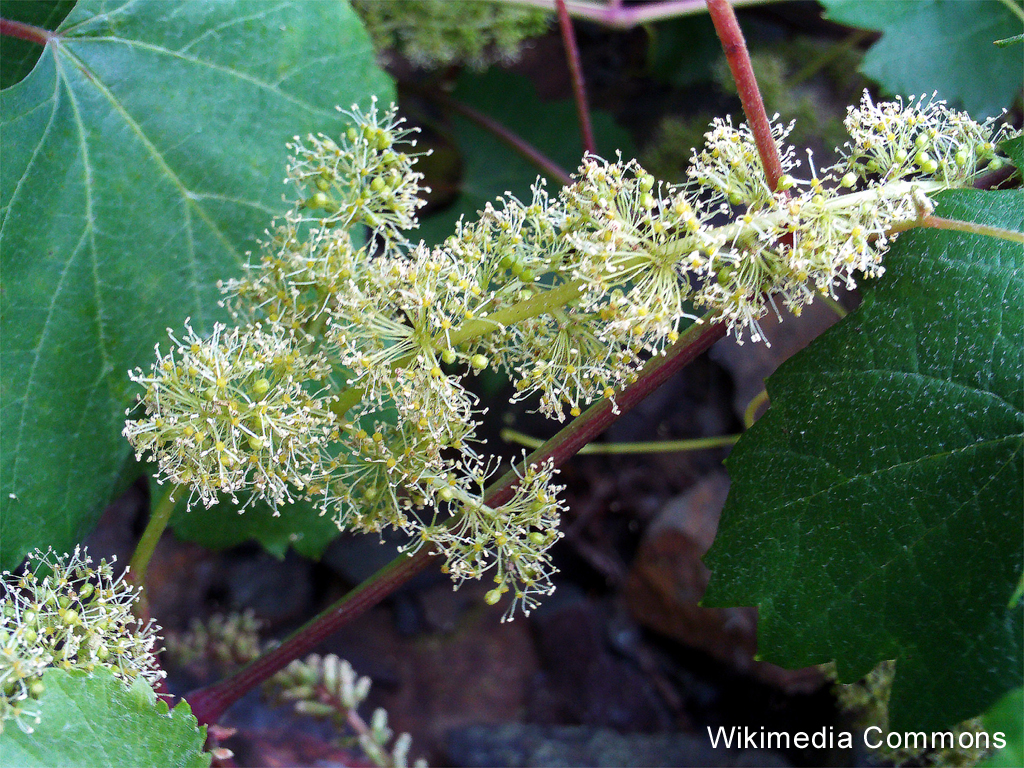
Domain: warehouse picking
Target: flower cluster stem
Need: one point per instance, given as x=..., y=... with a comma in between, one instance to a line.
x=540, y=304
x=158, y=520
x=209, y=703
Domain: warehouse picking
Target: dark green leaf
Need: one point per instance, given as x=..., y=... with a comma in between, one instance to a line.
x=141, y=157
x=943, y=45
x=298, y=526
x=1014, y=149
x=490, y=167
x=683, y=51
x=876, y=510
x=17, y=57
x=95, y=721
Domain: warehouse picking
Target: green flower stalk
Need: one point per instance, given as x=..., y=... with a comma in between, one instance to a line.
x=65, y=612
x=346, y=380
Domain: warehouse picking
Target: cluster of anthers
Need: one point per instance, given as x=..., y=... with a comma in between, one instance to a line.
x=345, y=380
x=65, y=612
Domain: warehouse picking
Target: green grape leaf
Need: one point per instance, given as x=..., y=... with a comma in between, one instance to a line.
x=943, y=45
x=298, y=525
x=19, y=56
x=96, y=721
x=141, y=157
x=491, y=167
x=683, y=51
x=876, y=509
x=1006, y=717
x=1014, y=149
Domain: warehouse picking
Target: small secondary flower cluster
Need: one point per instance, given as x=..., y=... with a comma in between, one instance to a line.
x=328, y=687
x=438, y=33
x=67, y=613
x=345, y=381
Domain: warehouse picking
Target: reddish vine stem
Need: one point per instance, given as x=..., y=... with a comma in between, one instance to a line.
x=546, y=165
x=728, y=28
x=24, y=31
x=614, y=15
x=209, y=703
x=579, y=88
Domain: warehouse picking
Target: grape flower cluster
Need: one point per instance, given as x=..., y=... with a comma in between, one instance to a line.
x=438, y=33
x=65, y=612
x=344, y=379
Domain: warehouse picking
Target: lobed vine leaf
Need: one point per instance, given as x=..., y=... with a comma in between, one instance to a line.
x=876, y=509
x=1014, y=149
x=941, y=44
x=299, y=526
x=490, y=168
x=95, y=721
x=142, y=156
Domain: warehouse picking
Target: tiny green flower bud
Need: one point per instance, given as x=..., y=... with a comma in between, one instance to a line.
x=786, y=182
x=322, y=184
x=36, y=689
x=449, y=356
x=479, y=362
x=995, y=164
x=260, y=387
x=317, y=200
x=492, y=596
x=849, y=180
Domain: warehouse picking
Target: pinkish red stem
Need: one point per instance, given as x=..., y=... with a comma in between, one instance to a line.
x=579, y=89
x=24, y=31
x=617, y=16
x=735, y=47
x=209, y=703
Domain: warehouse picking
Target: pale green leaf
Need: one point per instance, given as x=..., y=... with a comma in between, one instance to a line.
x=96, y=721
